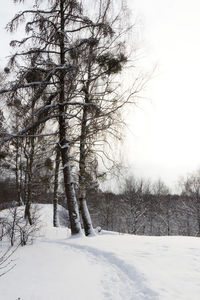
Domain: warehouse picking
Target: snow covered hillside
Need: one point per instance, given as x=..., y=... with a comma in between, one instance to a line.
x=109, y=266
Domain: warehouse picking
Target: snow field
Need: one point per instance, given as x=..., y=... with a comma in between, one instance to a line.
x=109, y=266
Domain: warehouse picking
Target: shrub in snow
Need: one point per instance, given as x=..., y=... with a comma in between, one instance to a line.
x=15, y=228
x=6, y=264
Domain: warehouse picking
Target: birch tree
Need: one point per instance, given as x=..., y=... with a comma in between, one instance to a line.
x=101, y=62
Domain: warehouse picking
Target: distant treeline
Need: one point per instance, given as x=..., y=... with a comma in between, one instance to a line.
x=145, y=214
x=141, y=208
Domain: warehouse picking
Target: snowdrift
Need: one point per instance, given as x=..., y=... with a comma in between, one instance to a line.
x=107, y=266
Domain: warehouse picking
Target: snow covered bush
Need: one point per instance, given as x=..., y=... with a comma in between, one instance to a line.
x=15, y=228
x=6, y=263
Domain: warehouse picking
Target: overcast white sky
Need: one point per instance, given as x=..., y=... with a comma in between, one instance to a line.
x=163, y=138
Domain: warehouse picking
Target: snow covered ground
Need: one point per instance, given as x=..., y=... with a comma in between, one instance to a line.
x=109, y=266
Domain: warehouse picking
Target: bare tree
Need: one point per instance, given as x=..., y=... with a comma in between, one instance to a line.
x=191, y=189
x=135, y=206
x=100, y=62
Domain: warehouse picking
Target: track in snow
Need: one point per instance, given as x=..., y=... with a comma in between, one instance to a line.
x=121, y=281
x=55, y=268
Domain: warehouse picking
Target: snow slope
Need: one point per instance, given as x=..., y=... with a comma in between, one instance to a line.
x=109, y=266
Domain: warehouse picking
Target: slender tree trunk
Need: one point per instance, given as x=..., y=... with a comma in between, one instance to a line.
x=64, y=143
x=17, y=173
x=21, y=188
x=25, y=180
x=27, y=214
x=68, y=181
x=168, y=222
x=55, y=194
x=87, y=222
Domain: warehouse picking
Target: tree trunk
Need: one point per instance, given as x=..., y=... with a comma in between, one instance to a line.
x=19, y=201
x=27, y=213
x=68, y=181
x=30, y=178
x=87, y=223
x=55, y=195
x=64, y=143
